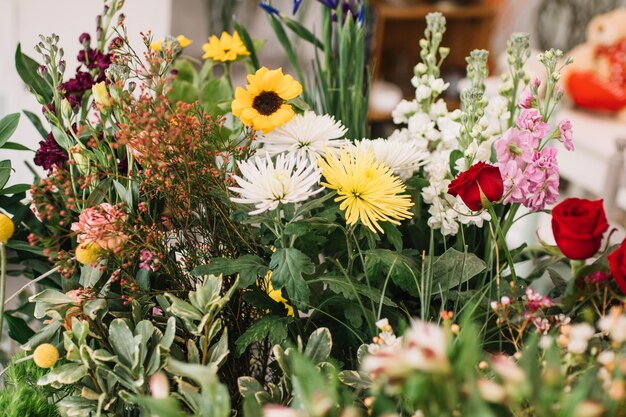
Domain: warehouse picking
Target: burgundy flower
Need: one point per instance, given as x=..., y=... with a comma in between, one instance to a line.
x=74, y=88
x=50, y=153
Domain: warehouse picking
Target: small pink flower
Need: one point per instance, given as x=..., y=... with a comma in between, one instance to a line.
x=102, y=225
x=530, y=120
x=597, y=277
x=515, y=183
x=526, y=99
x=536, y=301
x=148, y=261
x=565, y=127
x=543, y=179
x=535, y=82
x=515, y=145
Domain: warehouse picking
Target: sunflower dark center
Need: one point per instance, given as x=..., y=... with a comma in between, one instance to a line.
x=267, y=102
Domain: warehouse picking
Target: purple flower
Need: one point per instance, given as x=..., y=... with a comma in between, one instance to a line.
x=296, y=5
x=530, y=120
x=515, y=145
x=84, y=39
x=50, y=154
x=74, y=88
x=270, y=9
x=565, y=128
x=526, y=99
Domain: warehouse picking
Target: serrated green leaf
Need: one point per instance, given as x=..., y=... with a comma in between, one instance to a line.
x=272, y=327
x=454, y=268
x=249, y=267
x=288, y=266
x=400, y=266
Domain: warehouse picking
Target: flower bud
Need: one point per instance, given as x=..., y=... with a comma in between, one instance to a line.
x=159, y=385
x=46, y=355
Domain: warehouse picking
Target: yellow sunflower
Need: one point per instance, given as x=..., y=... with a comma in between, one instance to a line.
x=226, y=48
x=367, y=189
x=263, y=104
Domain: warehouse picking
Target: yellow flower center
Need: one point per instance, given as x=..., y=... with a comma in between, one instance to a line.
x=267, y=103
x=45, y=356
x=88, y=253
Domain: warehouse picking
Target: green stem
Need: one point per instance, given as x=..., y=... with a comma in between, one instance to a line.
x=496, y=224
x=3, y=282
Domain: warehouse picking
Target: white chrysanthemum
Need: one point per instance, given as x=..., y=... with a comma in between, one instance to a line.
x=306, y=135
x=403, y=157
x=266, y=185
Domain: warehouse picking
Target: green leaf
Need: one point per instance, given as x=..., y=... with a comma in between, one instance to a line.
x=34, y=119
x=186, y=71
x=303, y=32
x=183, y=91
x=16, y=147
x=27, y=69
x=15, y=189
x=214, y=92
x=248, y=386
x=319, y=345
x=340, y=285
x=5, y=172
x=272, y=327
x=455, y=155
x=61, y=137
x=90, y=275
x=399, y=266
x=18, y=329
x=454, y=268
x=8, y=124
x=249, y=267
x=122, y=341
x=24, y=247
x=250, y=46
x=393, y=235
x=288, y=266
x=64, y=374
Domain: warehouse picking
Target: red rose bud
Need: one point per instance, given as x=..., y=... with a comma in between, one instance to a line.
x=578, y=226
x=481, y=183
x=617, y=263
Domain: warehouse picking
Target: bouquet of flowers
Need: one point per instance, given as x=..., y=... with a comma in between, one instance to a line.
x=200, y=248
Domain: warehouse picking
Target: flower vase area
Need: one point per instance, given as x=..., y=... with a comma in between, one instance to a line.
x=200, y=246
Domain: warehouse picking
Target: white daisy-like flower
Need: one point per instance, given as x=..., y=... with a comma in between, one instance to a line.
x=266, y=184
x=306, y=135
x=403, y=157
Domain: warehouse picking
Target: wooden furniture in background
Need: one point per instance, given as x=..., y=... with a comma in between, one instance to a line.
x=399, y=29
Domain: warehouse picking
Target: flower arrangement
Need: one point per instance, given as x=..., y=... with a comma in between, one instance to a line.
x=198, y=247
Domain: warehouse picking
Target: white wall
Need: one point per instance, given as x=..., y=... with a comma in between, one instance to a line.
x=23, y=20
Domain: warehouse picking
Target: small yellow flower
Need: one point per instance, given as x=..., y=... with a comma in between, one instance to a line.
x=225, y=48
x=88, y=253
x=7, y=228
x=46, y=355
x=182, y=41
x=367, y=189
x=101, y=95
x=276, y=295
x=263, y=104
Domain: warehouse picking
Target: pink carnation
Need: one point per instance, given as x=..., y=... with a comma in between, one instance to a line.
x=565, y=127
x=530, y=120
x=102, y=225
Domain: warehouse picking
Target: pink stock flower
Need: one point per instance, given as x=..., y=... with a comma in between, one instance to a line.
x=515, y=183
x=535, y=82
x=543, y=179
x=530, y=120
x=102, y=225
x=526, y=99
x=515, y=145
x=565, y=127
x=536, y=301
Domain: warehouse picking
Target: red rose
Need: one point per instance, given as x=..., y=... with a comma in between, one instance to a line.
x=481, y=177
x=578, y=226
x=617, y=262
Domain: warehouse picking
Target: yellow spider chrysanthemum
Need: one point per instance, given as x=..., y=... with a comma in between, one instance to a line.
x=7, y=228
x=182, y=41
x=263, y=104
x=226, y=48
x=46, y=355
x=368, y=190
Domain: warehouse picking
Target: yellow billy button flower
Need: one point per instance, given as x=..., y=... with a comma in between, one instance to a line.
x=226, y=48
x=46, y=355
x=88, y=253
x=182, y=41
x=7, y=228
x=263, y=104
x=368, y=191
x=101, y=95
